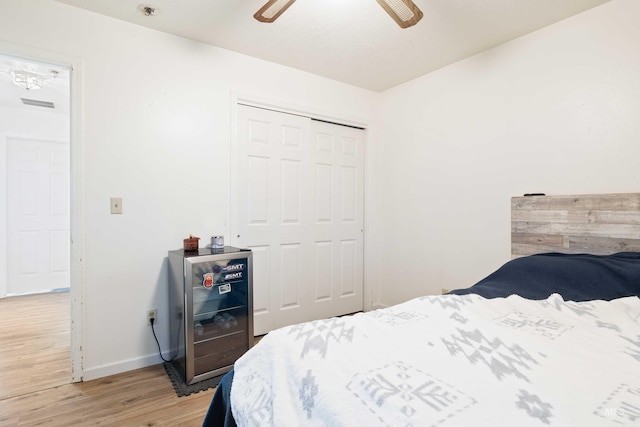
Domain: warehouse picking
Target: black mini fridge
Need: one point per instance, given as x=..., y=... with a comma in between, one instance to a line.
x=211, y=298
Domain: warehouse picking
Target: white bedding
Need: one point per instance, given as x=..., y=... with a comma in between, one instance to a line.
x=449, y=361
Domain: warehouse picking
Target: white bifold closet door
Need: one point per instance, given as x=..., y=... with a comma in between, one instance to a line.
x=298, y=205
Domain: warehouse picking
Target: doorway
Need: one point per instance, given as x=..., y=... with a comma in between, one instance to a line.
x=35, y=135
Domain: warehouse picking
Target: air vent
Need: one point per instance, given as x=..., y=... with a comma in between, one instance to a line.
x=36, y=103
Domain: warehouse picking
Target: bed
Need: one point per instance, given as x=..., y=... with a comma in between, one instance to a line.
x=550, y=338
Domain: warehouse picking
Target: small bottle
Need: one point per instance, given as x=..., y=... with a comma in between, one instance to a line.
x=198, y=328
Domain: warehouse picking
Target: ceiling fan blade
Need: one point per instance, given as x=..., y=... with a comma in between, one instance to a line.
x=404, y=12
x=272, y=9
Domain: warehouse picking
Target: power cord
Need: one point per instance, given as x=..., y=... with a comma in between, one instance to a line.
x=152, y=321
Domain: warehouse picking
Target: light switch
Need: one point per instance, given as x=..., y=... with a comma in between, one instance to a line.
x=116, y=205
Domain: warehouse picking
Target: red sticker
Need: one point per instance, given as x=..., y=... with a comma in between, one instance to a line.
x=207, y=280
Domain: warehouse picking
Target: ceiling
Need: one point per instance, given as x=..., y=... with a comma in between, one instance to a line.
x=352, y=41
x=55, y=85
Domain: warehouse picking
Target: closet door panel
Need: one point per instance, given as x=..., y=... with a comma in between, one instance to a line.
x=297, y=202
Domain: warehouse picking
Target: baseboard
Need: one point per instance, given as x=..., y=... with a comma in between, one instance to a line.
x=378, y=306
x=120, y=367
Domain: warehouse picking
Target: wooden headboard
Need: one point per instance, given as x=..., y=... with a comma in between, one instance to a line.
x=598, y=224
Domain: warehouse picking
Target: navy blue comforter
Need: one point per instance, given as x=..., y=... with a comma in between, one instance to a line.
x=580, y=277
x=219, y=413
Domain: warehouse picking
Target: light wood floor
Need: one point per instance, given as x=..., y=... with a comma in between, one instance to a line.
x=35, y=375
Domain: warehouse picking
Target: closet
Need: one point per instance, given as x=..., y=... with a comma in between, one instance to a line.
x=298, y=204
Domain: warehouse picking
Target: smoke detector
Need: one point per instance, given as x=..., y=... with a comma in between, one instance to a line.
x=148, y=10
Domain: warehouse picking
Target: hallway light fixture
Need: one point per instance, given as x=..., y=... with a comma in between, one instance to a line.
x=26, y=80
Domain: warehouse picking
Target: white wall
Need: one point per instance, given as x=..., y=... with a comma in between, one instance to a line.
x=555, y=111
x=28, y=124
x=157, y=127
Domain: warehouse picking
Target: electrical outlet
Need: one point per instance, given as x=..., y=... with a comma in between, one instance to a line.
x=151, y=314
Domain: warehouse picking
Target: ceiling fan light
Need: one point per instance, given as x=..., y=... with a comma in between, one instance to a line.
x=404, y=12
x=400, y=9
x=272, y=9
x=26, y=80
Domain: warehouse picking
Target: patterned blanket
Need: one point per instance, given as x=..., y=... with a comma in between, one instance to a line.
x=451, y=360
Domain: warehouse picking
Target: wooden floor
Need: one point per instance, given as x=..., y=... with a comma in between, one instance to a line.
x=35, y=377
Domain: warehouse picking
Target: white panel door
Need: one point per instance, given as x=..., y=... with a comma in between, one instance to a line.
x=38, y=216
x=299, y=207
x=337, y=222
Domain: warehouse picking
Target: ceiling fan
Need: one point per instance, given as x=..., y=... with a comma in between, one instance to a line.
x=404, y=12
